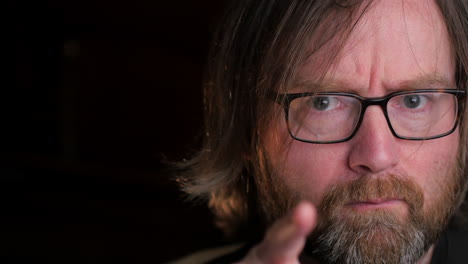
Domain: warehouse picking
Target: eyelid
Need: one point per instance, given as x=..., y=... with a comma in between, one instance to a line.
x=398, y=101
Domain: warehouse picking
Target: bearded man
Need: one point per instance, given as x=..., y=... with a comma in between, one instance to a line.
x=336, y=131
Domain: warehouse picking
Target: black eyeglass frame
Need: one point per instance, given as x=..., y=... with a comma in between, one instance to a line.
x=285, y=100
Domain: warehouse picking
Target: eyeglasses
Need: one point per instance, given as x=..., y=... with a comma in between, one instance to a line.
x=325, y=118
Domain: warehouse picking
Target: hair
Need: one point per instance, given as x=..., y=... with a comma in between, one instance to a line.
x=257, y=51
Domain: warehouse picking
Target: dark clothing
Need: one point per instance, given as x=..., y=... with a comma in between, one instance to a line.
x=452, y=248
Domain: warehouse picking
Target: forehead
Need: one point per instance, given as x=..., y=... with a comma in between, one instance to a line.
x=394, y=43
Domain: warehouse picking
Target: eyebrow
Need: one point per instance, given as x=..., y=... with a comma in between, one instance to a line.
x=425, y=81
x=428, y=81
x=325, y=85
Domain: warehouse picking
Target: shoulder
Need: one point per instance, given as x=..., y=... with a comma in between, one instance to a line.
x=458, y=243
x=208, y=255
x=452, y=247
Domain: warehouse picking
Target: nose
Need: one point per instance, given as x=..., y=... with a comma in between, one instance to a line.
x=374, y=148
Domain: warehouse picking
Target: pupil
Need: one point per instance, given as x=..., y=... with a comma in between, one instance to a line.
x=321, y=103
x=412, y=101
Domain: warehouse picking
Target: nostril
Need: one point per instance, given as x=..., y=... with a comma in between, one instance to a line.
x=362, y=169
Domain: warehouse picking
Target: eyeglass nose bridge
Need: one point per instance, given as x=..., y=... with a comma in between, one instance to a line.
x=379, y=101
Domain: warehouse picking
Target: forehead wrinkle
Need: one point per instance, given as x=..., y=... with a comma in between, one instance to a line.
x=355, y=70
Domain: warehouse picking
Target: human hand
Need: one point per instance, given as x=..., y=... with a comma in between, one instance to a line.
x=286, y=238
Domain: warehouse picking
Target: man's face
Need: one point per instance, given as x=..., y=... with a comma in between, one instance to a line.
x=396, y=46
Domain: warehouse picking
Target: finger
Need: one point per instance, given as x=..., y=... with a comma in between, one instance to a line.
x=285, y=240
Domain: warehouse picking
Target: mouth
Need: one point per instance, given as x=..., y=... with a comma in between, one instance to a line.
x=371, y=204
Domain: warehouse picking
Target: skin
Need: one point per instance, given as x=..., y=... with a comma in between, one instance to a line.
x=396, y=46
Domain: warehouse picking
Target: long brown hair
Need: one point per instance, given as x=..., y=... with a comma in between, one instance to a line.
x=455, y=13
x=256, y=52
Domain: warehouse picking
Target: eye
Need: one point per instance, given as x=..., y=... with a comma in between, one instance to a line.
x=324, y=103
x=414, y=101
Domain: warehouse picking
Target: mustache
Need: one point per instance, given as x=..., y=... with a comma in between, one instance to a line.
x=387, y=187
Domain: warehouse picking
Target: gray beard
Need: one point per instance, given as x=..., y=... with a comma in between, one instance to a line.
x=377, y=239
x=380, y=235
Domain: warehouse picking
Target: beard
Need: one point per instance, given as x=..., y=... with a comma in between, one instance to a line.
x=383, y=235
x=374, y=236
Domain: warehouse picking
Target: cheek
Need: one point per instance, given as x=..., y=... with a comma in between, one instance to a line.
x=433, y=167
x=306, y=169
x=312, y=169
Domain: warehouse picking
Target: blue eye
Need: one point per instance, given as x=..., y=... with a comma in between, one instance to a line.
x=324, y=103
x=414, y=101
x=321, y=103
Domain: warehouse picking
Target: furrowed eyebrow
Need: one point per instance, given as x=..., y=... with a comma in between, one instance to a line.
x=427, y=82
x=322, y=86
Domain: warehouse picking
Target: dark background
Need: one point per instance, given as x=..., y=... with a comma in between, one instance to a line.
x=103, y=91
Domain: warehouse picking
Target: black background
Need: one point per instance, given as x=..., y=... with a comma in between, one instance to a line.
x=103, y=91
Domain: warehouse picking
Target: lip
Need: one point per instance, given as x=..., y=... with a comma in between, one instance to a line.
x=375, y=203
